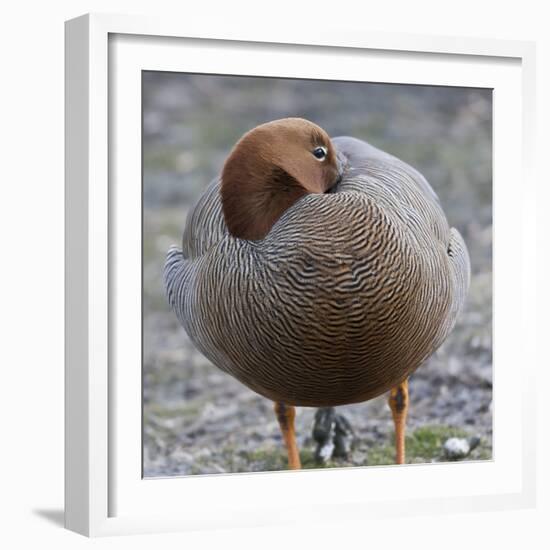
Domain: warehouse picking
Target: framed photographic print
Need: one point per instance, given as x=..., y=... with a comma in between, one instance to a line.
x=289, y=273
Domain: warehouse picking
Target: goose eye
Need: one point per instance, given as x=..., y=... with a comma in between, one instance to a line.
x=320, y=153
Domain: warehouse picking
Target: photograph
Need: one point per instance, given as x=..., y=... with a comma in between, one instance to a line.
x=317, y=278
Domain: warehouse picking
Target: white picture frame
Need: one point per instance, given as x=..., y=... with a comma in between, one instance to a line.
x=105, y=493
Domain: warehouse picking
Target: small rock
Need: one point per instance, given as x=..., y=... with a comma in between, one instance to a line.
x=456, y=448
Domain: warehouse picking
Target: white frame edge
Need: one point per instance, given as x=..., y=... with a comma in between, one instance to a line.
x=86, y=260
x=87, y=243
x=76, y=263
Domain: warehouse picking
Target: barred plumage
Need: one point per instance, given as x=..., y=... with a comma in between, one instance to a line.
x=344, y=298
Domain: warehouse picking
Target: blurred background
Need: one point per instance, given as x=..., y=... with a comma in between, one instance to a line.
x=198, y=420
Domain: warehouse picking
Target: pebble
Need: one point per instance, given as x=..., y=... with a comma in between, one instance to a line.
x=456, y=448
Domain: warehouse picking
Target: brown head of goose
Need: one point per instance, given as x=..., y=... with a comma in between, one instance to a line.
x=269, y=169
x=313, y=298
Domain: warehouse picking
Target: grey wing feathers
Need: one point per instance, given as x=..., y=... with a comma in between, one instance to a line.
x=205, y=224
x=177, y=272
x=358, y=152
x=460, y=265
x=204, y=228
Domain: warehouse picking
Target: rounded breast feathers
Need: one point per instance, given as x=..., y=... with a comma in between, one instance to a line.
x=344, y=298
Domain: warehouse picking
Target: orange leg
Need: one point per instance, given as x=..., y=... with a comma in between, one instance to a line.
x=285, y=416
x=399, y=405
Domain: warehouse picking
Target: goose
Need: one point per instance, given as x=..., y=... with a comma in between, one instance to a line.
x=318, y=272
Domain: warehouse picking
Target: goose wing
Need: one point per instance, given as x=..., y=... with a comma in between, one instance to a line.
x=407, y=192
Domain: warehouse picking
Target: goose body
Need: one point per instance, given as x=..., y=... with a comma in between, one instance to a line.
x=347, y=294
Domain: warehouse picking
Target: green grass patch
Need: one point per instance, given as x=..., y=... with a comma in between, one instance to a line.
x=426, y=442
x=423, y=445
